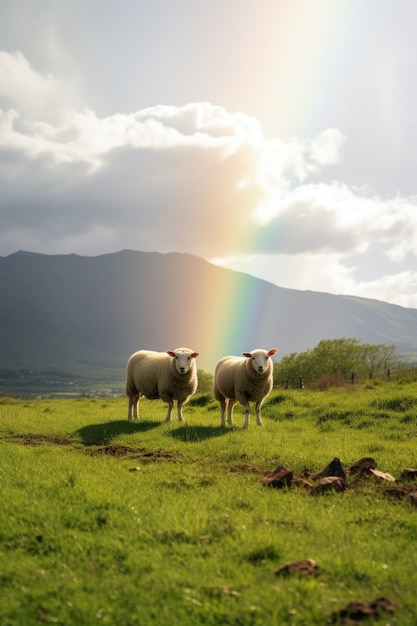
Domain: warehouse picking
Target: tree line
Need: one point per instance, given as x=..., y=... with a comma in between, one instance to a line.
x=336, y=361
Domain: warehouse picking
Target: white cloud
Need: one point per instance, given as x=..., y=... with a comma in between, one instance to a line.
x=329, y=272
x=195, y=178
x=318, y=271
x=400, y=288
x=332, y=217
x=204, y=118
x=326, y=147
x=28, y=91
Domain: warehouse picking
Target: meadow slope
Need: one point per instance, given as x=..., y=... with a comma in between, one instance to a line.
x=105, y=521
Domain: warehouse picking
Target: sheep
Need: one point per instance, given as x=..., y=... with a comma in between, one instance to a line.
x=243, y=380
x=170, y=376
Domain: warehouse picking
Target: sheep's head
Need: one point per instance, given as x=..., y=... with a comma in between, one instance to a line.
x=183, y=359
x=260, y=359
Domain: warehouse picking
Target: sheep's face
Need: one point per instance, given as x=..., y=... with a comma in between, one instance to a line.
x=260, y=359
x=183, y=360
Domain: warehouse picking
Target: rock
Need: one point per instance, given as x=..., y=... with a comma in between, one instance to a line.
x=334, y=468
x=279, y=478
x=362, y=467
x=409, y=474
x=382, y=475
x=397, y=492
x=329, y=483
x=413, y=498
x=301, y=482
x=402, y=492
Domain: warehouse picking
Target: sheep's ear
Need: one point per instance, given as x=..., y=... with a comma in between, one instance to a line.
x=170, y=353
x=272, y=352
x=247, y=355
x=194, y=355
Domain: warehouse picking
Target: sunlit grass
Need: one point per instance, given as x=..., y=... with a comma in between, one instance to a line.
x=114, y=522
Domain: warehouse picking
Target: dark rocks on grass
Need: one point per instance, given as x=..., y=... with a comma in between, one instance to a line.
x=367, y=467
x=334, y=478
x=397, y=492
x=302, y=568
x=403, y=492
x=382, y=475
x=409, y=473
x=357, y=611
x=363, y=467
x=299, y=481
x=334, y=468
x=281, y=477
x=329, y=483
x=413, y=498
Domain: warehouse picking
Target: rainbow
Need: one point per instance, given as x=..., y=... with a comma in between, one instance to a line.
x=313, y=42
x=303, y=52
x=301, y=71
x=234, y=317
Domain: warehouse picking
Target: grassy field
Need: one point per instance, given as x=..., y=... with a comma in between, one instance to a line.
x=104, y=521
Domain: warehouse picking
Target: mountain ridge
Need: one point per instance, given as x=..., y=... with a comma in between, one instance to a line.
x=73, y=311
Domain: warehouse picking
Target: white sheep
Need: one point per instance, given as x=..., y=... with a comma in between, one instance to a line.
x=243, y=380
x=168, y=376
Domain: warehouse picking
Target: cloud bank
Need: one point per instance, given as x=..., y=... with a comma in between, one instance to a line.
x=194, y=178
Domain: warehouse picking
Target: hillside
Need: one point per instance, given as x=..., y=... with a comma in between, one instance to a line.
x=84, y=316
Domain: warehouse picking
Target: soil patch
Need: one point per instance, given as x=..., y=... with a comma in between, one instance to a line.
x=37, y=440
x=301, y=568
x=145, y=456
x=241, y=468
x=115, y=451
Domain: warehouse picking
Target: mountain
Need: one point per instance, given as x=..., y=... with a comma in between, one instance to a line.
x=80, y=315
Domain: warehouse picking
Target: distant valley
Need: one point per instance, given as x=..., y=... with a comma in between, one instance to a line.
x=75, y=320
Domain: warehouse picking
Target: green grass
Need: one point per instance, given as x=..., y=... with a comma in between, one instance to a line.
x=104, y=521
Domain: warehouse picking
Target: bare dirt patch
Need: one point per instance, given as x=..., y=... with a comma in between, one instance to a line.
x=38, y=440
x=240, y=468
x=114, y=451
x=302, y=568
x=145, y=456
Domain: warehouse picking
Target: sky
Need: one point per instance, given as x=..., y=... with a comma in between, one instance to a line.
x=274, y=137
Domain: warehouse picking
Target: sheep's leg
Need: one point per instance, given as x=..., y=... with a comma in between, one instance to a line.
x=136, y=407
x=246, y=406
x=170, y=407
x=230, y=404
x=222, y=402
x=258, y=414
x=180, y=415
x=132, y=411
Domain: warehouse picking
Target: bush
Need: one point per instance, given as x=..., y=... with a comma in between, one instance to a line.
x=200, y=399
x=205, y=382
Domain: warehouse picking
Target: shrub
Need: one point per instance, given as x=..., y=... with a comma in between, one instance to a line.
x=200, y=399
